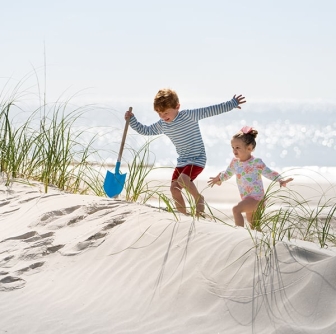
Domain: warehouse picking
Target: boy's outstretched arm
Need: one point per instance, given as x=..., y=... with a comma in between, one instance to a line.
x=240, y=100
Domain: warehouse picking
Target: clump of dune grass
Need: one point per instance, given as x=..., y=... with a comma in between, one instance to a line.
x=136, y=185
x=139, y=187
x=285, y=215
x=46, y=146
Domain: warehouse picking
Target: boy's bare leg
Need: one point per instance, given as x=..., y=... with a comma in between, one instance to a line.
x=248, y=204
x=176, y=192
x=184, y=182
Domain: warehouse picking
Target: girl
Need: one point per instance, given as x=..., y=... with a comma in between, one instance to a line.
x=248, y=170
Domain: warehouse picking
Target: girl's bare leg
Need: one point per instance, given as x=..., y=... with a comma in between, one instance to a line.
x=253, y=224
x=247, y=205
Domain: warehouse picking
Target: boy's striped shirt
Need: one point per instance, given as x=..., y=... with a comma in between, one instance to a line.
x=184, y=131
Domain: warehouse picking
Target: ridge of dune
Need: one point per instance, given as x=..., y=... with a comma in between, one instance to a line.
x=85, y=264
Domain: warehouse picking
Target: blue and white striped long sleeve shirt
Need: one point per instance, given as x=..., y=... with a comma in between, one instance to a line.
x=184, y=131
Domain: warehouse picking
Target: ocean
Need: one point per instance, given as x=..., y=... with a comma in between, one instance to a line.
x=291, y=135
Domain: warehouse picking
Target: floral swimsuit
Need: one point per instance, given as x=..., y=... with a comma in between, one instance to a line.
x=248, y=176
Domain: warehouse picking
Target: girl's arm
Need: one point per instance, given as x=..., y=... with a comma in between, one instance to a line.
x=273, y=175
x=215, y=180
x=222, y=176
x=283, y=183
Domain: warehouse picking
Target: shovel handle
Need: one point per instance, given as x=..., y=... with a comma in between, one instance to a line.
x=124, y=137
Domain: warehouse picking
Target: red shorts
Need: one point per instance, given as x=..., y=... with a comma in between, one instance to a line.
x=191, y=170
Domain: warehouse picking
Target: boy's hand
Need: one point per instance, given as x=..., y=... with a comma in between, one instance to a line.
x=283, y=183
x=214, y=180
x=128, y=114
x=239, y=99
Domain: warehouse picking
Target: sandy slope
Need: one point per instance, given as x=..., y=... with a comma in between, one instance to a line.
x=83, y=264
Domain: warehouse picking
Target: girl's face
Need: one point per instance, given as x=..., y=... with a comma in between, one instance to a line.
x=240, y=150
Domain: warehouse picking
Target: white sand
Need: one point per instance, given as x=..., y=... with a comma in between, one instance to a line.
x=84, y=264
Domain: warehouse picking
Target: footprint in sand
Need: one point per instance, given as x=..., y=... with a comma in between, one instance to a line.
x=113, y=223
x=8, y=261
x=4, y=202
x=52, y=249
x=72, y=215
x=12, y=246
x=93, y=241
x=9, y=283
x=24, y=247
x=33, y=268
x=37, y=237
x=51, y=216
x=39, y=248
x=96, y=239
x=21, y=236
x=30, y=245
x=100, y=207
x=76, y=220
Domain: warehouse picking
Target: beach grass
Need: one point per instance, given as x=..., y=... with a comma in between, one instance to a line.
x=45, y=146
x=286, y=215
x=137, y=187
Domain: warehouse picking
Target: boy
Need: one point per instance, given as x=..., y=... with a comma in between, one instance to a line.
x=183, y=130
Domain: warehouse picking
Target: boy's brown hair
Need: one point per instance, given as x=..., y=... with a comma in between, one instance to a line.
x=165, y=99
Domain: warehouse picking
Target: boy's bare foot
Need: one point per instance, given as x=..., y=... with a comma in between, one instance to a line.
x=199, y=215
x=200, y=205
x=181, y=209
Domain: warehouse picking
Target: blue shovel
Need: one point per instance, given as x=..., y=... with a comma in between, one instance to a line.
x=114, y=183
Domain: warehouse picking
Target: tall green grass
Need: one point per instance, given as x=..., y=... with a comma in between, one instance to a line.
x=139, y=187
x=285, y=215
x=46, y=146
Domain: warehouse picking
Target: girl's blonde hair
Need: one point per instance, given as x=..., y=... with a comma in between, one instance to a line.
x=248, y=135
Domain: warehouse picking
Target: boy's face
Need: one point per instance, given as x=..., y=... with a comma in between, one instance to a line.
x=169, y=114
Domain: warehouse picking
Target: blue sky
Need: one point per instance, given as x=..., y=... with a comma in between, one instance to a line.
x=205, y=50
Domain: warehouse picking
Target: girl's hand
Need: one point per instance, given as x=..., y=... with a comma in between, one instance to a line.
x=214, y=180
x=283, y=183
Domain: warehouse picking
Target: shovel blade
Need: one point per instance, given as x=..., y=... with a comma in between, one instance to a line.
x=114, y=183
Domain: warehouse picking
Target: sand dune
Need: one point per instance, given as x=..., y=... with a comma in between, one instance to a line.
x=83, y=264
